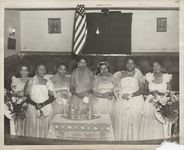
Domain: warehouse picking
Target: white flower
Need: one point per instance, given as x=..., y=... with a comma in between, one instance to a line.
x=13, y=99
x=86, y=99
x=19, y=101
x=163, y=100
x=64, y=101
x=24, y=105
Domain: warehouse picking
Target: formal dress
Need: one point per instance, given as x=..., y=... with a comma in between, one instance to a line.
x=82, y=81
x=103, y=84
x=61, y=86
x=128, y=113
x=151, y=128
x=35, y=125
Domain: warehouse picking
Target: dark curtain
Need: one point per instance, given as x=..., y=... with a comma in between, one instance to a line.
x=114, y=33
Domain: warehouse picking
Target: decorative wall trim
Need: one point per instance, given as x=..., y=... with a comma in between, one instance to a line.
x=96, y=8
x=133, y=54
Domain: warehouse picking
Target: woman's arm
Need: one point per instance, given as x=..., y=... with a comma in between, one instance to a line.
x=50, y=100
x=140, y=91
x=146, y=89
x=27, y=88
x=97, y=94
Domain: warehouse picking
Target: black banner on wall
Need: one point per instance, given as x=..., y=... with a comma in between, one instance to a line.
x=108, y=33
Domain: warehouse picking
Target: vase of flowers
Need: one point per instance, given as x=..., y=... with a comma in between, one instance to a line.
x=16, y=106
x=166, y=110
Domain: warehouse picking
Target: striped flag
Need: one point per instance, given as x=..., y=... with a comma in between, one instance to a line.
x=80, y=29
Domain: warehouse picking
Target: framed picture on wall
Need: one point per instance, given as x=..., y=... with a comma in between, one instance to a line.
x=54, y=25
x=11, y=43
x=161, y=24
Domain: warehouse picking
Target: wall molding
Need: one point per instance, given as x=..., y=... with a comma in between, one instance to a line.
x=89, y=4
x=23, y=53
x=97, y=8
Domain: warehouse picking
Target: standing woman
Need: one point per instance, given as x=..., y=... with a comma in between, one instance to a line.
x=129, y=105
x=17, y=85
x=156, y=83
x=81, y=80
x=40, y=96
x=62, y=84
x=103, y=90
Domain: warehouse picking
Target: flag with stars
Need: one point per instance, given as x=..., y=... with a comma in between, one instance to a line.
x=80, y=29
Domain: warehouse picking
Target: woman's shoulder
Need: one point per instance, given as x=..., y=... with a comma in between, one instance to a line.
x=167, y=77
x=13, y=78
x=118, y=75
x=53, y=78
x=68, y=77
x=149, y=76
x=48, y=76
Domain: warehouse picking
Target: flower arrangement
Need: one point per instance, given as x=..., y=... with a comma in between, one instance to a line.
x=167, y=104
x=62, y=96
x=16, y=104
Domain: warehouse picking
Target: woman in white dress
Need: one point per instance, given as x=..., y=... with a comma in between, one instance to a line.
x=17, y=126
x=103, y=90
x=156, y=83
x=130, y=101
x=40, y=96
x=62, y=84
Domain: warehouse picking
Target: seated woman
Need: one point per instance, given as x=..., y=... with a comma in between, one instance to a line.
x=17, y=126
x=103, y=90
x=40, y=96
x=62, y=85
x=157, y=82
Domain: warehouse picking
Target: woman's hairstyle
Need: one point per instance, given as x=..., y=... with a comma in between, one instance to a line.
x=40, y=64
x=23, y=65
x=158, y=61
x=80, y=58
x=130, y=58
x=103, y=63
x=19, y=68
x=61, y=64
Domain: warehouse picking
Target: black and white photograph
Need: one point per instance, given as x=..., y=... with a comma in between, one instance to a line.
x=91, y=74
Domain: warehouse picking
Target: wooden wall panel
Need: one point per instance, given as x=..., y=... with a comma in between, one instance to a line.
x=116, y=63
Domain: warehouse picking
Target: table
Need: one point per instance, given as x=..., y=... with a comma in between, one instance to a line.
x=89, y=130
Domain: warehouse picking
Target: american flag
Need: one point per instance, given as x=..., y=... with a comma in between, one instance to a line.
x=80, y=29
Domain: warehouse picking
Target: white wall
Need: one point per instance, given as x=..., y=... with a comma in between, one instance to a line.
x=145, y=38
x=12, y=19
x=34, y=31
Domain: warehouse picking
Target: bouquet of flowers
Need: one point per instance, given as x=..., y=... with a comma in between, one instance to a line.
x=125, y=96
x=167, y=106
x=16, y=104
x=62, y=96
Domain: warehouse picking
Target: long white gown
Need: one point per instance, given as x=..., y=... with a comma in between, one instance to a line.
x=103, y=85
x=35, y=126
x=128, y=113
x=151, y=128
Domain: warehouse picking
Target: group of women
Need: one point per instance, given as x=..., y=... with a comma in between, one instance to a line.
x=120, y=95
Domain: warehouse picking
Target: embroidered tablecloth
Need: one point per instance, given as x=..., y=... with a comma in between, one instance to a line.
x=99, y=129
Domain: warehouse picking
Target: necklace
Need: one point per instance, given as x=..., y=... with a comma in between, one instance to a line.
x=131, y=72
x=23, y=79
